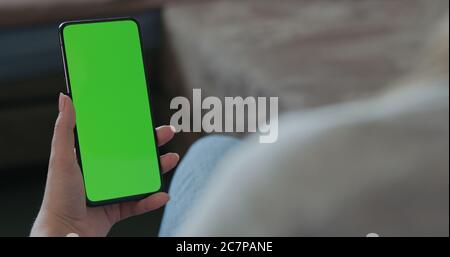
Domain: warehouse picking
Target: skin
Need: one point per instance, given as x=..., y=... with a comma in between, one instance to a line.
x=63, y=210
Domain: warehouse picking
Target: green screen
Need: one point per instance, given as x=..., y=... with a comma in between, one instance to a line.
x=107, y=81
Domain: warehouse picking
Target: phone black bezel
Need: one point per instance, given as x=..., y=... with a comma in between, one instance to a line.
x=151, y=105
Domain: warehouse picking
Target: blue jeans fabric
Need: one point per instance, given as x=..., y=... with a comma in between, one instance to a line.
x=190, y=179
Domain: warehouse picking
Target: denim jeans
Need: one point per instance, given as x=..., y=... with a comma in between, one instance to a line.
x=190, y=178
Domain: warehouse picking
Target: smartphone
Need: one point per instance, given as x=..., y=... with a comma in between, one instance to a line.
x=114, y=133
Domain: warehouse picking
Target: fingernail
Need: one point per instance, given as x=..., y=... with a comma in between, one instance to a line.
x=62, y=102
x=174, y=130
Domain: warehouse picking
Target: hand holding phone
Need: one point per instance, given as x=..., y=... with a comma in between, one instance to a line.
x=64, y=209
x=114, y=136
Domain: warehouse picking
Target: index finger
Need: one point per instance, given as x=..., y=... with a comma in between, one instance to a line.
x=164, y=134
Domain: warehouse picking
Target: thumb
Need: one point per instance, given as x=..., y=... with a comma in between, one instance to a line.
x=63, y=142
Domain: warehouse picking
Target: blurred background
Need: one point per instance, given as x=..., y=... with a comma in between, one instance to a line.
x=309, y=53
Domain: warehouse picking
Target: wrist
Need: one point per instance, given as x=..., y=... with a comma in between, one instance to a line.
x=50, y=225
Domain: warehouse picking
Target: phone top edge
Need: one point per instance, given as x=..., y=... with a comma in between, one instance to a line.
x=64, y=24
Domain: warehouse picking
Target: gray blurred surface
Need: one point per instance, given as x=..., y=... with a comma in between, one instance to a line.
x=309, y=53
